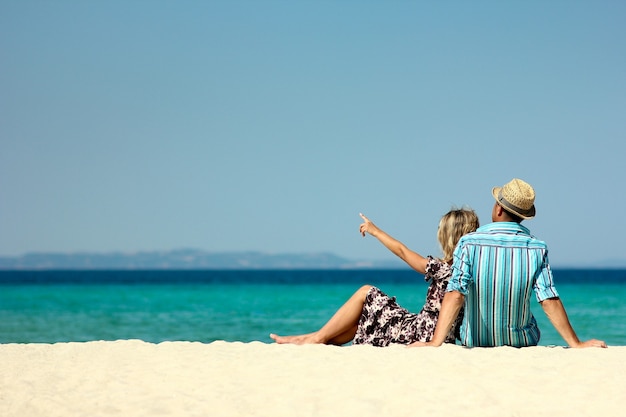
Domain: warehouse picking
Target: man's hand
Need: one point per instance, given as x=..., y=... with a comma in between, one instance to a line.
x=591, y=343
x=422, y=344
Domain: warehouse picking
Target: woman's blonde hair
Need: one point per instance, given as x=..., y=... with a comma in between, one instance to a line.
x=453, y=225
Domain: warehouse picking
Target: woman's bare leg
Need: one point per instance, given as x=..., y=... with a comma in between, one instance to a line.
x=341, y=327
x=343, y=338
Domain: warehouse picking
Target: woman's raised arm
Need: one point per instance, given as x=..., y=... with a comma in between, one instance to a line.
x=413, y=259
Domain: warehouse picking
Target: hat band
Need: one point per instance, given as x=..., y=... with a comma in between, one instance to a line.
x=503, y=202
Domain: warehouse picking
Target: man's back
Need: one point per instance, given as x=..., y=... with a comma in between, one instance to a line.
x=497, y=268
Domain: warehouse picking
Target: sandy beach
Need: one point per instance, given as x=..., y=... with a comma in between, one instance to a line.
x=134, y=378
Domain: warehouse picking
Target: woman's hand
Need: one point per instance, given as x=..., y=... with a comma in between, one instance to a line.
x=367, y=226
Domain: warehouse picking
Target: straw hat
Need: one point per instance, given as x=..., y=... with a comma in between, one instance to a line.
x=516, y=197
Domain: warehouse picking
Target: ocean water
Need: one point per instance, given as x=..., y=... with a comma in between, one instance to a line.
x=204, y=306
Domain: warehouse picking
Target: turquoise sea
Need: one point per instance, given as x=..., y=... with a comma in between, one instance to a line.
x=156, y=306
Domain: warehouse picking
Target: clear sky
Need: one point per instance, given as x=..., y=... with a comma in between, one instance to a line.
x=269, y=125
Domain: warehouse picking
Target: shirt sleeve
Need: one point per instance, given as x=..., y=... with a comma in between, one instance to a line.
x=461, y=272
x=544, y=285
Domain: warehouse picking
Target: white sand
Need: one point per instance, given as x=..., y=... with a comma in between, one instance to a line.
x=134, y=378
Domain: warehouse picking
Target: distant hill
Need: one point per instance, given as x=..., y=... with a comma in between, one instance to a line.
x=187, y=259
x=198, y=259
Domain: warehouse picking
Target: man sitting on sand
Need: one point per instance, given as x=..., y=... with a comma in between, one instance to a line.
x=495, y=271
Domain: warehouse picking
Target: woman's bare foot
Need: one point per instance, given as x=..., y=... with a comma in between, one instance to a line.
x=302, y=339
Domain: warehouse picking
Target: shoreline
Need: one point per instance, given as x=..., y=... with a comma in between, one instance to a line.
x=136, y=378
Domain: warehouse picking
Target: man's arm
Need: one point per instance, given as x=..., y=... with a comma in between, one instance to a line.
x=553, y=307
x=450, y=307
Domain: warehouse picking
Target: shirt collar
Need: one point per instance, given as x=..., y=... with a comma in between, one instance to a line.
x=508, y=227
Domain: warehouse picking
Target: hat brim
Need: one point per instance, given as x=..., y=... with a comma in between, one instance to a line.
x=495, y=191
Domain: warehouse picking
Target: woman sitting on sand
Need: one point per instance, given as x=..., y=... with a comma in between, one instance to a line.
x=372, y=317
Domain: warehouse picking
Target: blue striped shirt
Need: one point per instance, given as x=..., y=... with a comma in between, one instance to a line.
x=497, y=268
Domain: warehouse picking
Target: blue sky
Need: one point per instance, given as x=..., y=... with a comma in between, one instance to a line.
x=268, y=126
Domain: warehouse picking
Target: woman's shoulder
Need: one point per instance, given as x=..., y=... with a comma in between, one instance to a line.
x=436, y=269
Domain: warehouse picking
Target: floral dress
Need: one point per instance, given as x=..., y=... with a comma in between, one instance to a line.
x=383, y=321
